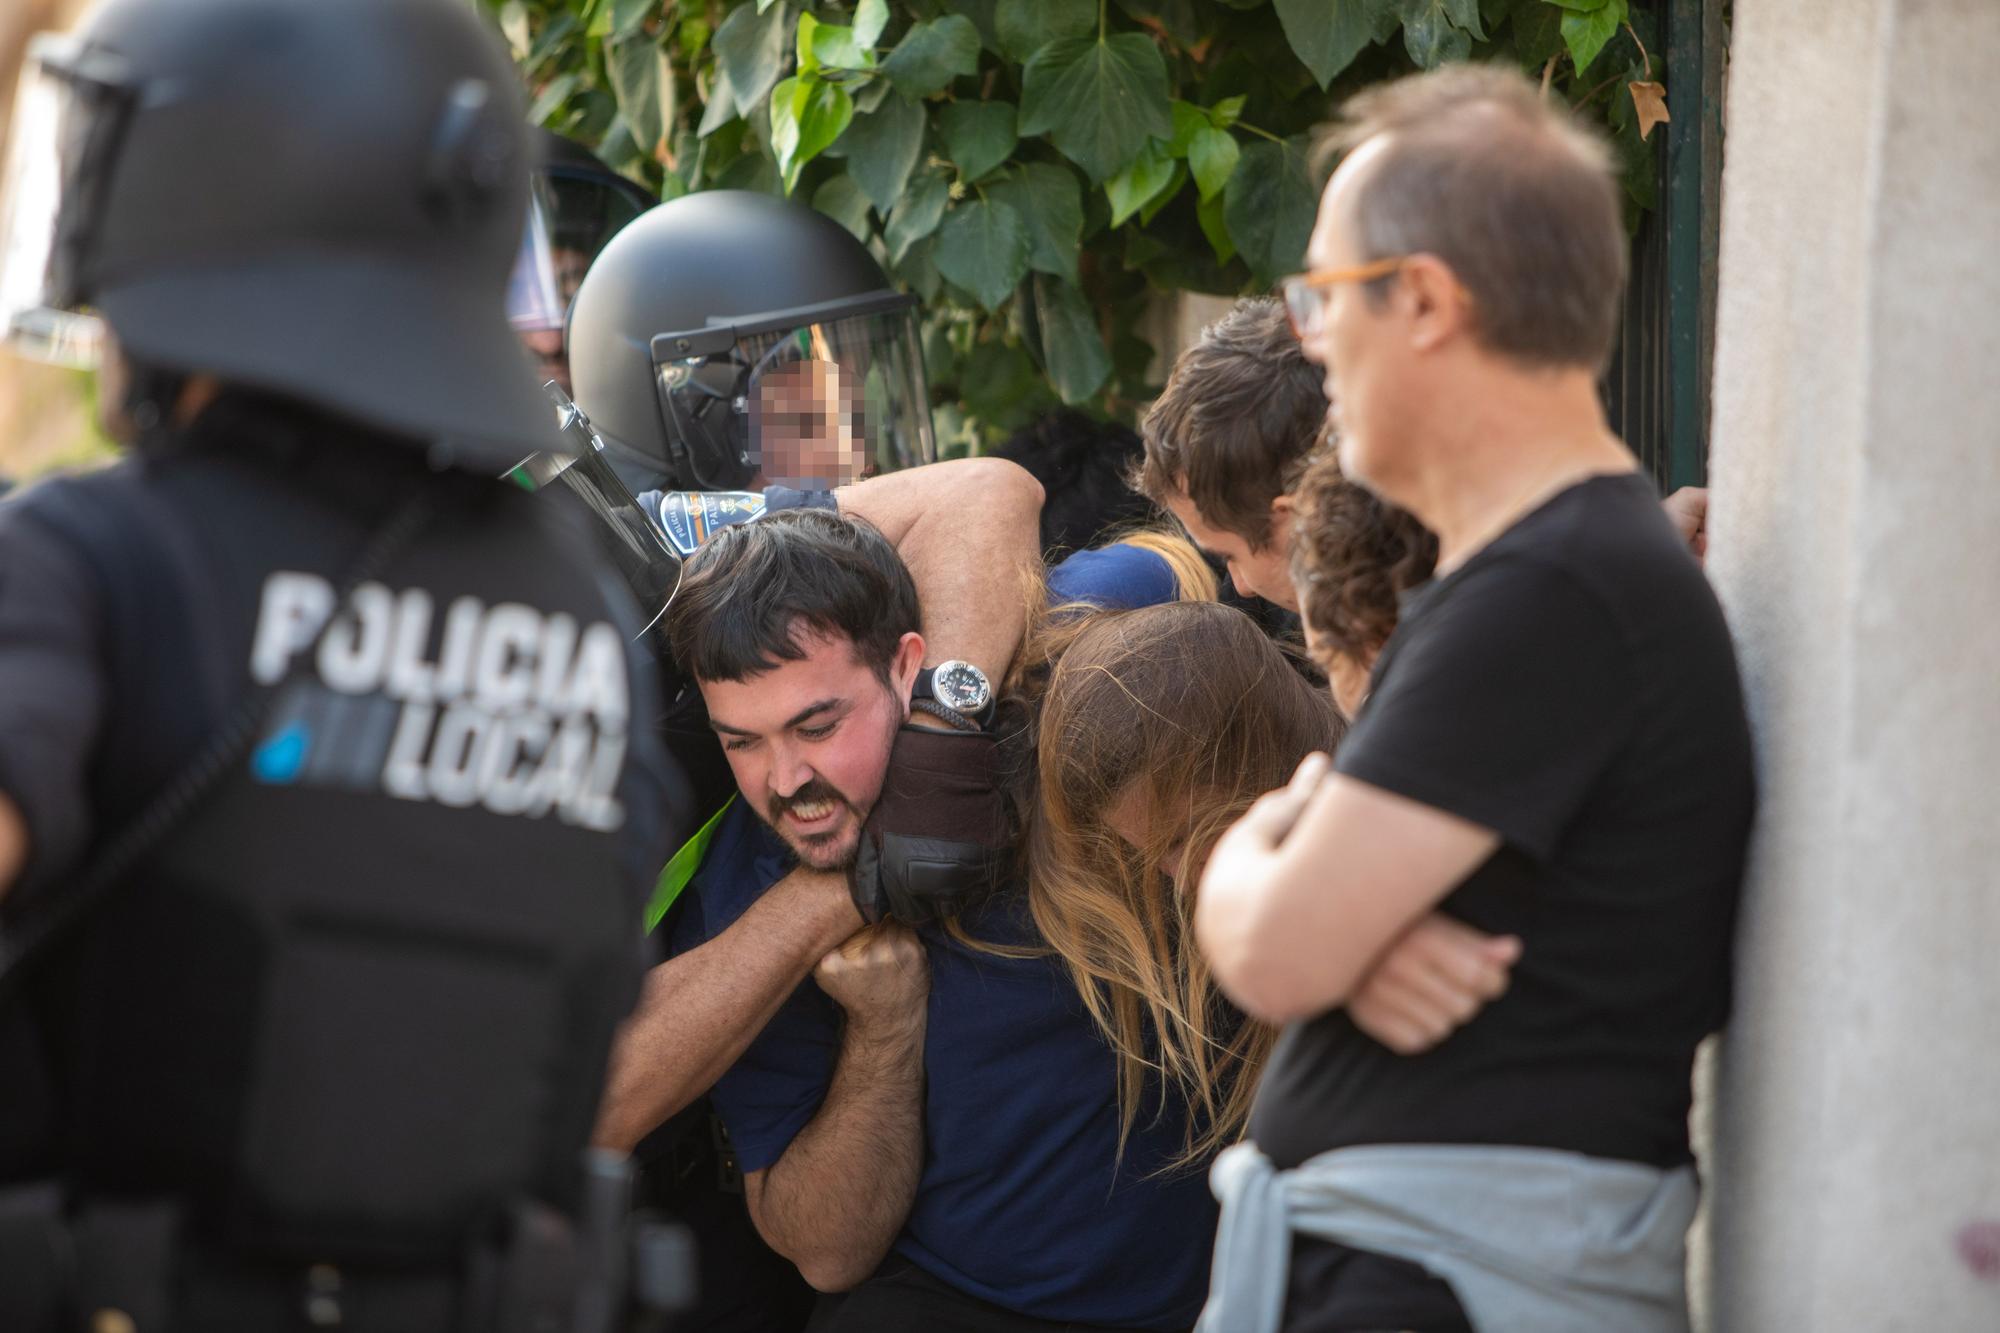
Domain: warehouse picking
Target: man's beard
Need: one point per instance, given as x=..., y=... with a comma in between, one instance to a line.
x=819, y=851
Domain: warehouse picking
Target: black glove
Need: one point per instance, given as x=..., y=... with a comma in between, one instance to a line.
x=939, y=839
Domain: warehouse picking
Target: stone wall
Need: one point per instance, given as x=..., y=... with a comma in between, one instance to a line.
x=1856, y=544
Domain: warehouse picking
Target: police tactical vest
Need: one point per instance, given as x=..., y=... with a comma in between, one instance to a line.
x=361, y=998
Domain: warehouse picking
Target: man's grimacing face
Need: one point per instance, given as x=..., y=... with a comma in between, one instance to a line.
x=808, y=741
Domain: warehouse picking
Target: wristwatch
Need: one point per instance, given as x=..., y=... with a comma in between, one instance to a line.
x=956, y=691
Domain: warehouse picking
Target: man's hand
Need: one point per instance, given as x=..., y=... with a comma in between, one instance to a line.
x=939, y=838
x=1431, y=982
x=880, y=977
x=1309, y=889
x=1267, y=823
x=1688, y=509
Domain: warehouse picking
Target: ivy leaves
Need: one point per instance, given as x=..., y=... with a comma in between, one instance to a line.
x=1327, y=37
x=1048, y=198
x=1588, y=24
x=984, y=248
x=1098, y=100
x=883, y=148
x=1042, y=170
x=1436, y=31
x=932, y=54
x=978, y=136
x=1270, y=204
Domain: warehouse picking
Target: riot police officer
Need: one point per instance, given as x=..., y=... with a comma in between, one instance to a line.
x=576, y=205
x=326, y=804
x=730, y=341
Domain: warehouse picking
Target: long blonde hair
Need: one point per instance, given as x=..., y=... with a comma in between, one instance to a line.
x=1192, y=708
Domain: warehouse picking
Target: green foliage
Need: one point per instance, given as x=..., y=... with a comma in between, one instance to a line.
x=1040, y=172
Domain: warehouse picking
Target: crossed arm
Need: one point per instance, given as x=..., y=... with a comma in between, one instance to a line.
x=1310, y=889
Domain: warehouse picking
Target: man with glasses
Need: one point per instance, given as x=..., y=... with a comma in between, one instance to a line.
x=1554, y=747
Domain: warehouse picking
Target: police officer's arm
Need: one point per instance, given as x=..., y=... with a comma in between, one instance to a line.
x=970, y=532
x=52, y=701
x=834, y=1202
x=13, y=844
x=701, y=1009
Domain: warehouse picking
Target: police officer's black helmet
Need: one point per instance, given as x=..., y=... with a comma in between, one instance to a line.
x=318, y=197
x=721, y=333
x=577, y=203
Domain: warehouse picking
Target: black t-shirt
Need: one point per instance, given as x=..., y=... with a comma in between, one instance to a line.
x=1571, y=687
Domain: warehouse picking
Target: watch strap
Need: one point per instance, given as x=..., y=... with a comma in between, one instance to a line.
x=947, y=713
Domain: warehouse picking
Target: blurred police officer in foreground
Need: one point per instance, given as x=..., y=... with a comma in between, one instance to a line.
x=325, y=814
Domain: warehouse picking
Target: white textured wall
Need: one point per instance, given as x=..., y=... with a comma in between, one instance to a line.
x=1856, y=544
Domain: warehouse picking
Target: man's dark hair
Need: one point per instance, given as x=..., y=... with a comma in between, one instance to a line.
x=753, y=591
x=1509, y=189
x=1082, y=465
x=1241, y=412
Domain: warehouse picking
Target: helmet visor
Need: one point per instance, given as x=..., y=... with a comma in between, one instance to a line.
x=570, y=217
x=69, y=114
x=815, y=405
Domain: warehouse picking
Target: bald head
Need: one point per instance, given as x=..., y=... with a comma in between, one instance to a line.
x=1472, y=164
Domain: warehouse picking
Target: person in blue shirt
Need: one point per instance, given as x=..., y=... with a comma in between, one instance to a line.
x=929, y=1103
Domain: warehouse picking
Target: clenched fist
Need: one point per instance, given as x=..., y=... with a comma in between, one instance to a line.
x=879, y=976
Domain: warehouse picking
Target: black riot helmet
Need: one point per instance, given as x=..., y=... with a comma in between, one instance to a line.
x=730, y=339
x=575, y=205
x=320, y=199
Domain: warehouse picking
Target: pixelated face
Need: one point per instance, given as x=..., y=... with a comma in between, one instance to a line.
x=545, y=349
x=545, y=346
x=806, y=425
x=1256, y=571
x=809, y=742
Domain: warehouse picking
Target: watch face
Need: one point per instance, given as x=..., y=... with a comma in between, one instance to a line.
x=962, y=686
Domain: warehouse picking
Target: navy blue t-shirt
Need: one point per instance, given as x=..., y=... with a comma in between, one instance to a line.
x=1022, y=1200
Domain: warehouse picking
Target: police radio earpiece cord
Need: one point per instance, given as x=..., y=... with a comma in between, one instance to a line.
x=178, y=797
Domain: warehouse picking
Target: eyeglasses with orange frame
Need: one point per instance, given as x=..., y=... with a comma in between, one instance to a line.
x=1306, y=294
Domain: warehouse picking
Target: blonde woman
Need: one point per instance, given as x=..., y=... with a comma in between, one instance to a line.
x=1154, y=730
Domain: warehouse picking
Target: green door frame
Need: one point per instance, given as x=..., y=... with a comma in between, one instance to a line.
x=1696, y=59
x=1656, y=389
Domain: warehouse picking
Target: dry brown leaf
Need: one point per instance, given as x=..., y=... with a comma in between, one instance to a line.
x=1650, y=100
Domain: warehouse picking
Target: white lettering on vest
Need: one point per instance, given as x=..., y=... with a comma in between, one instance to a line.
x=522, y=713
x=294, y=607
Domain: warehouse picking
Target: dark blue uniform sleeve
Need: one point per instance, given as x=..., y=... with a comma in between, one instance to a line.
x=1116, y=577
x=52, y=689
x=776, y=1086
